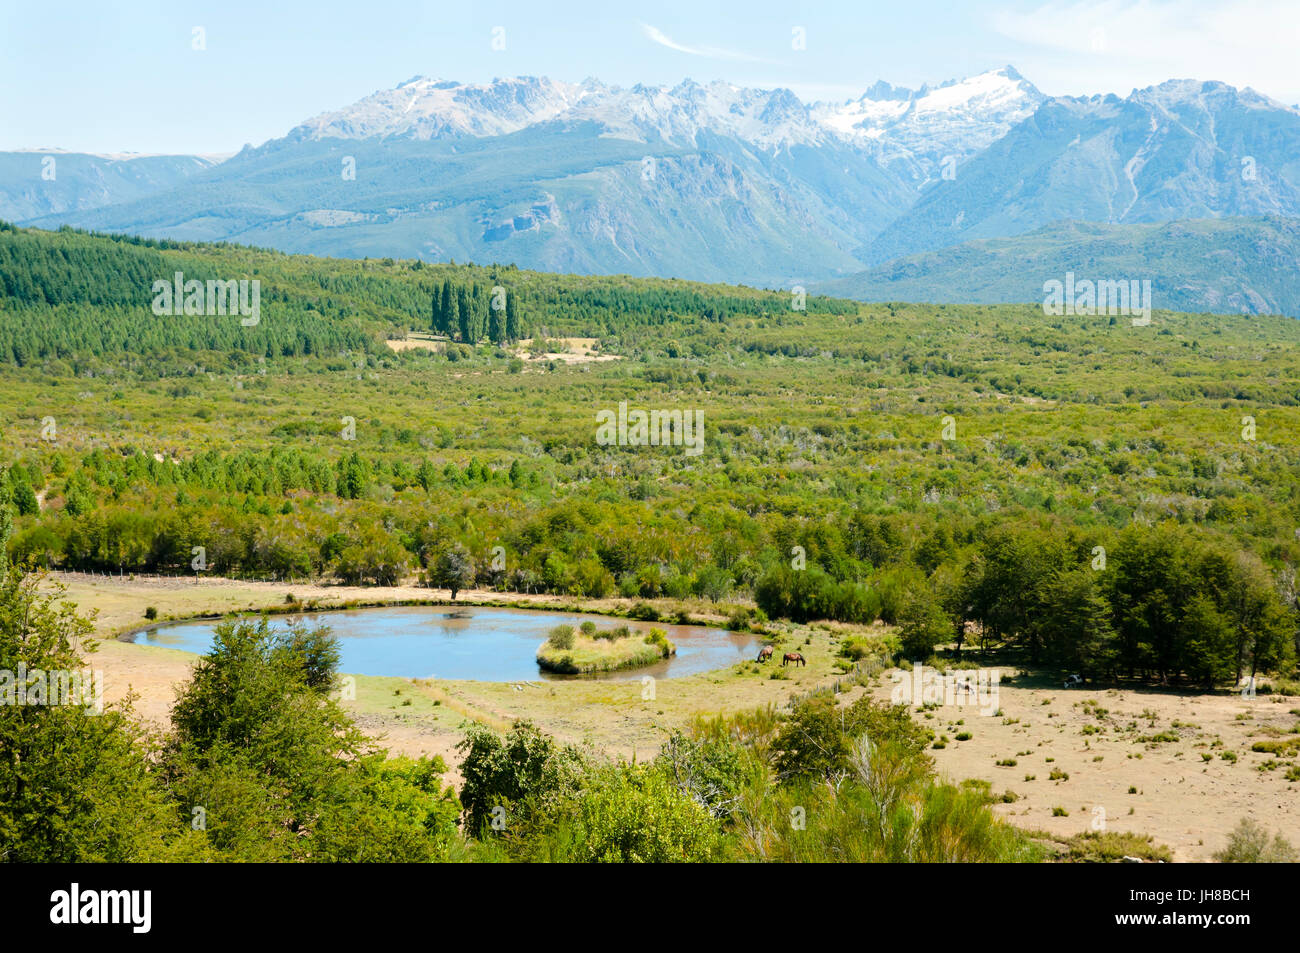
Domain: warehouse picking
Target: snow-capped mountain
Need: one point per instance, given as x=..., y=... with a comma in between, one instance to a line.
x=679, y=115
x=961, y=115
x=423, y=108
x=1182, y=149
x=914, y=131
x=713, y=181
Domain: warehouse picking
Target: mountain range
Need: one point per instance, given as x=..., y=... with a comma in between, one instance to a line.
x=1224, y=266
x=726, y=183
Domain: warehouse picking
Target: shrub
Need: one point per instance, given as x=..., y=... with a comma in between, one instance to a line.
x=150, y=612
x=631, y=814
x=1285, y=747
x=1249, y=843
x=561, y=637
x=1113, y=846
x=524, y=772
x=855, y=648
x=645, y=612
x=816, y=741
x=712, y=771
x=659, y=637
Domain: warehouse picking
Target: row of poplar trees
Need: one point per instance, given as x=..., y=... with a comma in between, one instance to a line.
x=474, y=313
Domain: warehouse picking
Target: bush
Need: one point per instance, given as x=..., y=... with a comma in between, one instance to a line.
x=1249, y=844
x=816, y=741
x=561, y=637
x=659, y=637
x=905, y=819
x=712, y=771
x=631, y=814
x=392, y=811
x=151, y=612
x=644, y=612
x=1113, y=846
x=856, y=648
x=524, y=772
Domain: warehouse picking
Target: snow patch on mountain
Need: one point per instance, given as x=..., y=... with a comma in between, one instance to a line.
x=423, y=108
x=915, y=130
x=962, y=114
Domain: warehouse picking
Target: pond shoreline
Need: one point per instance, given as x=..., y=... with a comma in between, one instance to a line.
x=422, y=639
x=321, y=600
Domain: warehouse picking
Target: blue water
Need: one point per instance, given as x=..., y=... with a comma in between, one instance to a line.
x=473, y=642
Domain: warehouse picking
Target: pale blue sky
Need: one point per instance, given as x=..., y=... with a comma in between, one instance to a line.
x=84, y=76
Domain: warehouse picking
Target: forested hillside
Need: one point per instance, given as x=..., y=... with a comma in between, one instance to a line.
x=1075, y=490
x=74, y=295
x=1223, y=266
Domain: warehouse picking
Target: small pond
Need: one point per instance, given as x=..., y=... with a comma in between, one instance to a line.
x=473, y=642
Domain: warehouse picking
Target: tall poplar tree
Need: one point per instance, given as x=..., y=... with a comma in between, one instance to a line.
x=512, y=317
x=446, y=318
x=465, y=314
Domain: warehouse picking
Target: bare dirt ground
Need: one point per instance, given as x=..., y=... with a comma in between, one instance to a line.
x=1131, y=760
x=1178, y=766
x=576, y=350
x=417, y=344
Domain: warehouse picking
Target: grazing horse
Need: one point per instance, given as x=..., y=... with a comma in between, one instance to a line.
x=793, y=657
x=765, y=653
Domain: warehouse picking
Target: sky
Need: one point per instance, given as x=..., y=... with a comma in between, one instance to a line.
x=190, y=77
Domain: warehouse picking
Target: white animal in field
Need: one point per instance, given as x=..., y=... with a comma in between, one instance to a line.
x=1073, y=681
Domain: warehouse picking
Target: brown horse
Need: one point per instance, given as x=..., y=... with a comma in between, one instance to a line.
x=793, y=657
x=765, y=653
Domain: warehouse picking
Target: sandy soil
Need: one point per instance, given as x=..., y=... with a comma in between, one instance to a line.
x=577, y=350
x=1183, y=800
x=417, y=344
x=1107, y=741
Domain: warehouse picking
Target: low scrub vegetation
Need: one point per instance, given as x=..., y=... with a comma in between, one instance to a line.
x=566, y=652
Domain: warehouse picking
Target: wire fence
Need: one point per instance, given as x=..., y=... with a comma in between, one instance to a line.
x=198, y=578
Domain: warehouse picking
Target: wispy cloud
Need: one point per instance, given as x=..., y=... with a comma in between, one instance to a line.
x=1114, y=45
x=655, y=35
